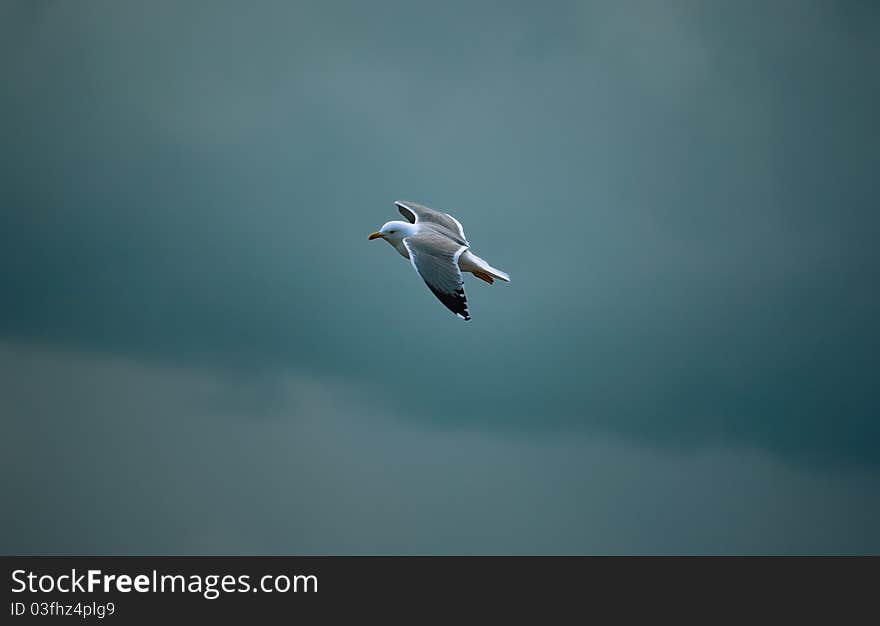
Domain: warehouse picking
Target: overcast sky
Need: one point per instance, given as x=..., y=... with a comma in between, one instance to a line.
x=202, y=353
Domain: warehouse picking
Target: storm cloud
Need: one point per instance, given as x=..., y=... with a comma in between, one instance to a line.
x=683, y=193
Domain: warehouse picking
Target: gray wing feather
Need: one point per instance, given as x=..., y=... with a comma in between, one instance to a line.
x=435, y=258
x=418, y=213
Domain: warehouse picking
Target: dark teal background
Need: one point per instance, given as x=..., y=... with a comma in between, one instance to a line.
x=202, y=353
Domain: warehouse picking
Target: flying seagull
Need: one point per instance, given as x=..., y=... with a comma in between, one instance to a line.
x=435, y=244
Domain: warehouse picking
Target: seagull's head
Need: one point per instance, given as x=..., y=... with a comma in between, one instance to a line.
x=394, y=232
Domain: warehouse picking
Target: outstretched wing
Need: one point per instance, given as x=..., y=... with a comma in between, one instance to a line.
x=435, y=258
x=418, y=213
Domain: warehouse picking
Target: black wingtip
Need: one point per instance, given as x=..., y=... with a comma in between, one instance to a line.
x=405, y=211
x=455, y=302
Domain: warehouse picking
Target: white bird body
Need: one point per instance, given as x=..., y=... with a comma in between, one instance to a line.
x=435, y=244
x=467, y=261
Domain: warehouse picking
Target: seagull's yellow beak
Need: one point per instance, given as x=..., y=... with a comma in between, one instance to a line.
x=374, y=236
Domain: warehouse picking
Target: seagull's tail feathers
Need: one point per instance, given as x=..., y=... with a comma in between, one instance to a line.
x=499, y=274
x=470, y=262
